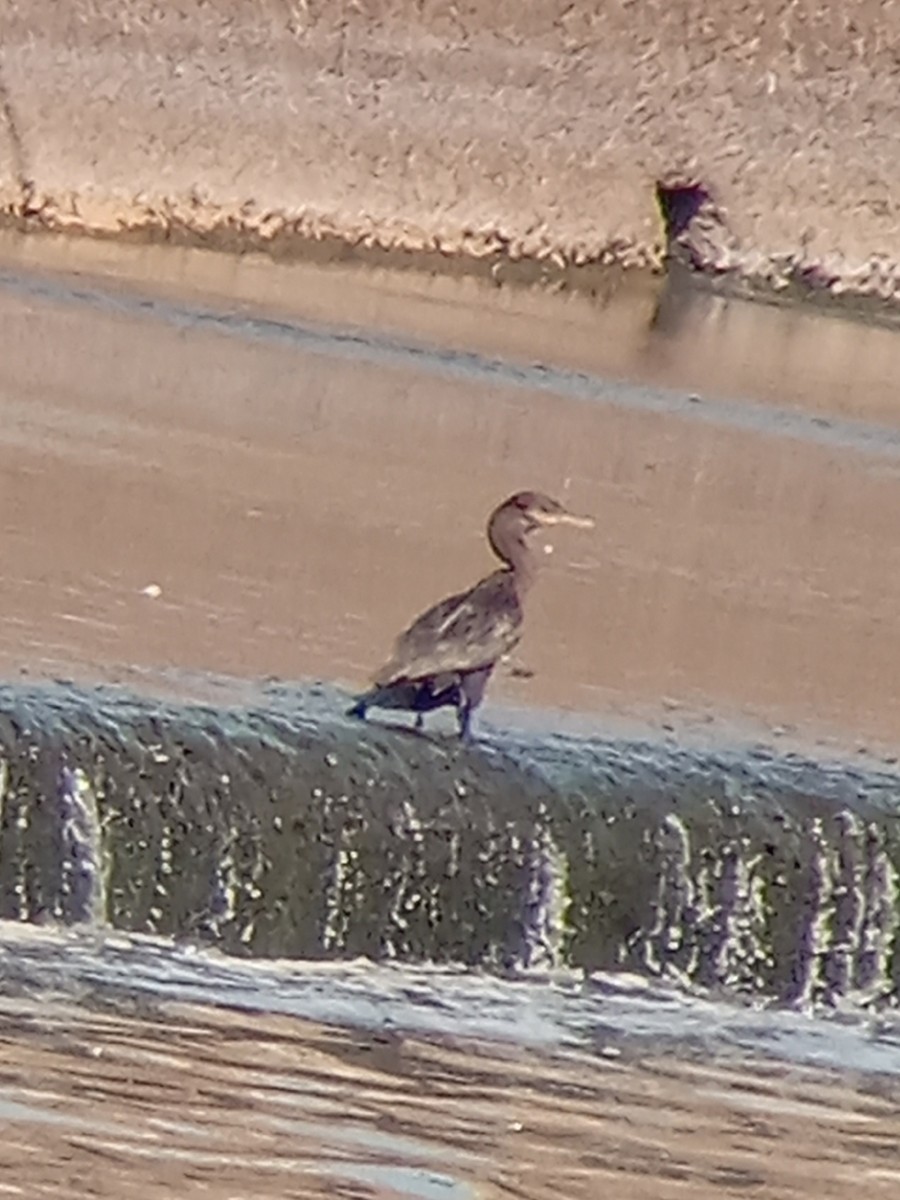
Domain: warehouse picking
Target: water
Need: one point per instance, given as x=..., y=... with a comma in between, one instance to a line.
x=251, y=948
x=607, y=1015
x=153, y=1066
x=285, y=829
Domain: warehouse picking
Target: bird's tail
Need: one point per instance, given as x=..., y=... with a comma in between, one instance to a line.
x=361, y=704
x=391, y=695
x=408, y=695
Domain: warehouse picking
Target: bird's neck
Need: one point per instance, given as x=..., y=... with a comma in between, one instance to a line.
x=518, y=559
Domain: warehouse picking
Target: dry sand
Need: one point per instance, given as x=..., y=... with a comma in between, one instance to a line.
x=535, y=129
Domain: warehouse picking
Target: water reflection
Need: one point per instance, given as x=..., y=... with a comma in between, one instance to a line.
x=793, y=357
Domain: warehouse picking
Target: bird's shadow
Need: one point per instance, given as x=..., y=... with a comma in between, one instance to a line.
x=449, y=742
x=436, y=738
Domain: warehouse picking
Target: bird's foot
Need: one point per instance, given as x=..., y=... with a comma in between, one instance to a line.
x=357, y=710
x=465, y=724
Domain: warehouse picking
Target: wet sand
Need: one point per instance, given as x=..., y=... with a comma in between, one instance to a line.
x=485, y=131
x=275, y=481
x=184, y=1101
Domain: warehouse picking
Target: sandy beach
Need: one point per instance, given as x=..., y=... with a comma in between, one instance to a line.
x=490, y=132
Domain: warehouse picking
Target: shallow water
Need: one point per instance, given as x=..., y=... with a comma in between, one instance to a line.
x=607, y=1016
x=140, y=1066
x=745, y=560
x=174, y=424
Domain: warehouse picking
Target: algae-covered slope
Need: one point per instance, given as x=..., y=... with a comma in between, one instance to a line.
x=290, y=832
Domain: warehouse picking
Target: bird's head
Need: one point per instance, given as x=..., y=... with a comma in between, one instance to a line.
x=535, y=511
x=521, y=515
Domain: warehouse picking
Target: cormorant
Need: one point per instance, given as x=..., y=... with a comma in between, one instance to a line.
x=447, y=655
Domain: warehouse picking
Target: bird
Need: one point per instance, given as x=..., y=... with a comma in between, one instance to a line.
x=446, y=657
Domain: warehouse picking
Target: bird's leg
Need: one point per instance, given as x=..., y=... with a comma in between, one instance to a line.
x=465, y=722
x=420, y=722
x=418, y=696
x=471, y=693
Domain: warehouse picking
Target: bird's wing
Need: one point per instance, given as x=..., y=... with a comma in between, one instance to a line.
x=463, y=632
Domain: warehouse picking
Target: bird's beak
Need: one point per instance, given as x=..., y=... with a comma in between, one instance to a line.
x=564, y=517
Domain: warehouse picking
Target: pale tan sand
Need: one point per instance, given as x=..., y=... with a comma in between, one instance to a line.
x=534, y=129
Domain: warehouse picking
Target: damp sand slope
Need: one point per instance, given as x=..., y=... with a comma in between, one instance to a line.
x=499, y=132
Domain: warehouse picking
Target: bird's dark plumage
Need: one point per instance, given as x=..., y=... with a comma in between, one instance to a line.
x=447, y=655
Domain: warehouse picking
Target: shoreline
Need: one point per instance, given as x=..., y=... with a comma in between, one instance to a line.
x=551, y=274
x=539, y=146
